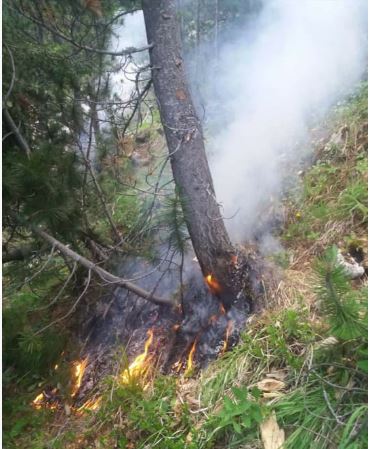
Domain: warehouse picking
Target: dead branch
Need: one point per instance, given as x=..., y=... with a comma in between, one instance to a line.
x=103, y=274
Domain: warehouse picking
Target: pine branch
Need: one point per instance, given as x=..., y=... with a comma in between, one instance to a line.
x=338, y=300
x=55, y=32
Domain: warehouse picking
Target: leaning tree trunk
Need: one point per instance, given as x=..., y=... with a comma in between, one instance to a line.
x=186, y=147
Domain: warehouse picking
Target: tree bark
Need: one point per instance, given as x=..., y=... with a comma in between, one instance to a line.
x=184, y=137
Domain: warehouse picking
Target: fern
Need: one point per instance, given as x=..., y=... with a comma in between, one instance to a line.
x=340, y=303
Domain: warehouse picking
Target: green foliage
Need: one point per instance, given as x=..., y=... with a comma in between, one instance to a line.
x=21, y=426
x=329, y=408
x=173, y=218
x=45, y=187
x=277, y=342
x=23, y=350
x=335, y=188
x=352, y=201
x=152, y=418
x=241, y=413
x=339, y=302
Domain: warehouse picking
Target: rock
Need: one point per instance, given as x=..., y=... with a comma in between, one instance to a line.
x=352, y=268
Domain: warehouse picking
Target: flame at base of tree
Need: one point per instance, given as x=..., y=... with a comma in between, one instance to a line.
x=213, y=284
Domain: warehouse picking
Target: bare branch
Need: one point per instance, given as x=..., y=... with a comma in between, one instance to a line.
x=62, y=289
x=11, y=85
x=22, y=143
x=71, y=310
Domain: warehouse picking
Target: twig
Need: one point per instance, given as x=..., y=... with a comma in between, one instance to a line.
x=11, y=85
x=124, y=52
x=326, y=397
x=71, y=310
x=61, y=290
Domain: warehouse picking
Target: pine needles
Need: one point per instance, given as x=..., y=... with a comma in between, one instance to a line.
x=339, y=302
x=174, y=219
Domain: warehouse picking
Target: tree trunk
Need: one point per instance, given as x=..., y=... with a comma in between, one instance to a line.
x=186, y=147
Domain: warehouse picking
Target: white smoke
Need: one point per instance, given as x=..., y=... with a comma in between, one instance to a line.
x=301, y=57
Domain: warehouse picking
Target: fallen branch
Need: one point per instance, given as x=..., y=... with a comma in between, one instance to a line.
x=103, y=274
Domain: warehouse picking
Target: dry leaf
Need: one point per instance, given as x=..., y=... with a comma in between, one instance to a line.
x=272, y=395
x=272, y=436
x=279, y=374
x=270, y=385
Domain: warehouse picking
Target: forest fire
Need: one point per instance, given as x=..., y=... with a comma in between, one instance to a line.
x=140, y=364
x=213, y=285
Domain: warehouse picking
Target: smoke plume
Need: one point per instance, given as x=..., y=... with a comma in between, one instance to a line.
x=271, y=81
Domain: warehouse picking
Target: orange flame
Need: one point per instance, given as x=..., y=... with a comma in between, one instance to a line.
x=229, y=329
x=139, y=365
x=190, y=361
x=91, y=404
x=41, y=402
x=177, y=366
x=213, y=284
x=79, y=372
x=37, y=402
